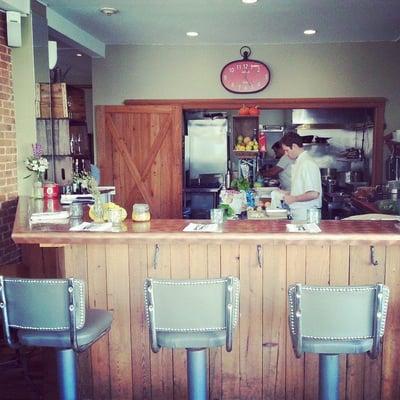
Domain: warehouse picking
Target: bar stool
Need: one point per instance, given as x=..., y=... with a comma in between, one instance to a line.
x=336, y=320
x=51, y=313
x=195, y=315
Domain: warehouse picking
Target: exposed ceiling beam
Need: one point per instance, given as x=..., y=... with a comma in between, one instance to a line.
x=74, y=36
x=22, y=6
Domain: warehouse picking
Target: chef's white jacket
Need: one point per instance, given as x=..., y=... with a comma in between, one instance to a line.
x=285, y=176
x=306, y=177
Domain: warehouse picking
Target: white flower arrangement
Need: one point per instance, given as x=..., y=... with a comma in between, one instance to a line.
x=36, y=162
x=87, y=182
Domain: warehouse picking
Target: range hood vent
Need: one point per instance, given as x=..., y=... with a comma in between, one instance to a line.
x=330, y=118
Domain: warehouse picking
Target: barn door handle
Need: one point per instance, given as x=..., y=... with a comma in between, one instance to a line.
x=156, y=256
x=373, y=259
x=260, y=256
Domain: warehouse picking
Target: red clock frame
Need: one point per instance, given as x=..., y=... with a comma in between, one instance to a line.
x=246, y=75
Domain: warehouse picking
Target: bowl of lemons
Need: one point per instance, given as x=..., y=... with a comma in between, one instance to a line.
x=106, y=208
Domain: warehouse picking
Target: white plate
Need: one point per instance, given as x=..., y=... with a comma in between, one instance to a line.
x=275, y=212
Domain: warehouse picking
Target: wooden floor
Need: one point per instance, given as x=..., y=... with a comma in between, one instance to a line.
x=14, y=385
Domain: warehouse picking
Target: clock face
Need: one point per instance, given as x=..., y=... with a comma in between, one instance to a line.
x=245, y=76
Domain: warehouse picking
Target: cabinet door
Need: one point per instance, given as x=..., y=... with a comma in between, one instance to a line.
x=140, y=152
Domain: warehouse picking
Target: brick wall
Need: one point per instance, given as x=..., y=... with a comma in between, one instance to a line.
x=9, y=252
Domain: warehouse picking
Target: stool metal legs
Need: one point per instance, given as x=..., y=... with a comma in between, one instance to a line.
x=197, y=374
x=329, y=376
x=66, y=370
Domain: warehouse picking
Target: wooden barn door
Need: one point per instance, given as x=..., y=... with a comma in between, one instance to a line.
x=139, y=151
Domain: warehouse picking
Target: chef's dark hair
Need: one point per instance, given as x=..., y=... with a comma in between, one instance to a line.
x=291, y=138
x=277, y=145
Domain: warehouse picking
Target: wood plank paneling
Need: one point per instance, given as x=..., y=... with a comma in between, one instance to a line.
x=296, y=273
x=317, y=273
x=251, y=326
x=162, y=382
x=262, y=363
x=97, y=291
x=339, y=276
x=391, y=340
x=76, y=267
x=230, y=257
x=146, y=162
x=180, y=269
x=364, y=374
x=215, y=354
x=274, y=322
x=141, y=370
x=104, y=145
x=118, y=301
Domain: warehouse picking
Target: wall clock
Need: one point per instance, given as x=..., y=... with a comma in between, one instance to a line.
x=246, y=75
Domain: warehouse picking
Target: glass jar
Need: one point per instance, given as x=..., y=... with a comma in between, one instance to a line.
x=141, y=212
x=97, y=211
x=37, y=190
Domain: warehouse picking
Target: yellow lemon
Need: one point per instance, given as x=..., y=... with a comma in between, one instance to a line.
x=92, y=215
x=110, y=206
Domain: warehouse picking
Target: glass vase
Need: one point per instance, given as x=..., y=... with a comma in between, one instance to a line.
x=37, y=189
x=97, y=210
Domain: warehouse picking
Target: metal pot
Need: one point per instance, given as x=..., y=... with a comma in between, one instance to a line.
x=354, y=176
x=328, y=173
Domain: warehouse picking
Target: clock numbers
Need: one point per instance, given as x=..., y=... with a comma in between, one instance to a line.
x=245, y=76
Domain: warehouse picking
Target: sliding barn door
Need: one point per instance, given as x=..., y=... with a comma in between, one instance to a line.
x=139, y=151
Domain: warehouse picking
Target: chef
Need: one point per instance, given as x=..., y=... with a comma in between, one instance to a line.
x=282, y=169
x=306, y=189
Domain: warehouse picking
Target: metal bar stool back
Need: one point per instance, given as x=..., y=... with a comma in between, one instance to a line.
x=52, y=313
x=331, y=320
x=195, y=315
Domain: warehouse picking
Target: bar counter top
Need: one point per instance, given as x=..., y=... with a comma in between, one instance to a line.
x=349, y=232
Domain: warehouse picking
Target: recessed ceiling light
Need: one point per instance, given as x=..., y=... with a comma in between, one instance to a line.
x=249, y=1
x=310, y=32
x=192, y=34
x=109, y=11
x=78, y=54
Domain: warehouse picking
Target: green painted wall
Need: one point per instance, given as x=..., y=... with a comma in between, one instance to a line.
x=24, y=94
x=299, y=70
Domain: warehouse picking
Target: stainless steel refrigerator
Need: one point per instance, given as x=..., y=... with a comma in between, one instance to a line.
x=206, y=152
x=207, y=147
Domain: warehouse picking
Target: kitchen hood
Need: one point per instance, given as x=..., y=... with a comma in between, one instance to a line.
x=331, y=118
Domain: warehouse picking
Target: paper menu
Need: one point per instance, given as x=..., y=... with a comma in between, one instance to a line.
x=303, y=228
x=192, y=227
x=92, y=227
x=57, y=217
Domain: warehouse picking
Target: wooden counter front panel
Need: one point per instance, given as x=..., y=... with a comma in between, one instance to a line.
x=262, y=364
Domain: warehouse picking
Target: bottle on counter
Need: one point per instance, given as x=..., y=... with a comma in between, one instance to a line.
x=141, y=212
x=228, y=178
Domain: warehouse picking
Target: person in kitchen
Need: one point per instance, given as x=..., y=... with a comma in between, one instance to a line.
x=282, y=169
x=306, y=188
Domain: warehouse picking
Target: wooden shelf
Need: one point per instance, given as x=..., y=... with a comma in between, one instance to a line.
x=245, y=154
x=245, y=116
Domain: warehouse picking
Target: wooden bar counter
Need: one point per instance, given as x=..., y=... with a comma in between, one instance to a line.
x=267, y=259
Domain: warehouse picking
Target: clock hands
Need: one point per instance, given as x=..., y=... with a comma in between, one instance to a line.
x=247, y=78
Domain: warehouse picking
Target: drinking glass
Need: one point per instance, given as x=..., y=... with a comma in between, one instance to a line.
x=76, y=210
x=115, y=216
x=217, y=215
x=313, y=216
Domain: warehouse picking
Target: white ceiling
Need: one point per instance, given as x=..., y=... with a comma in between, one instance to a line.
x=232, y=22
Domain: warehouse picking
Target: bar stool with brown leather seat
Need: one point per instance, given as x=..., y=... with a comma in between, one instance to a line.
x=52, y=313
x=334, y=320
